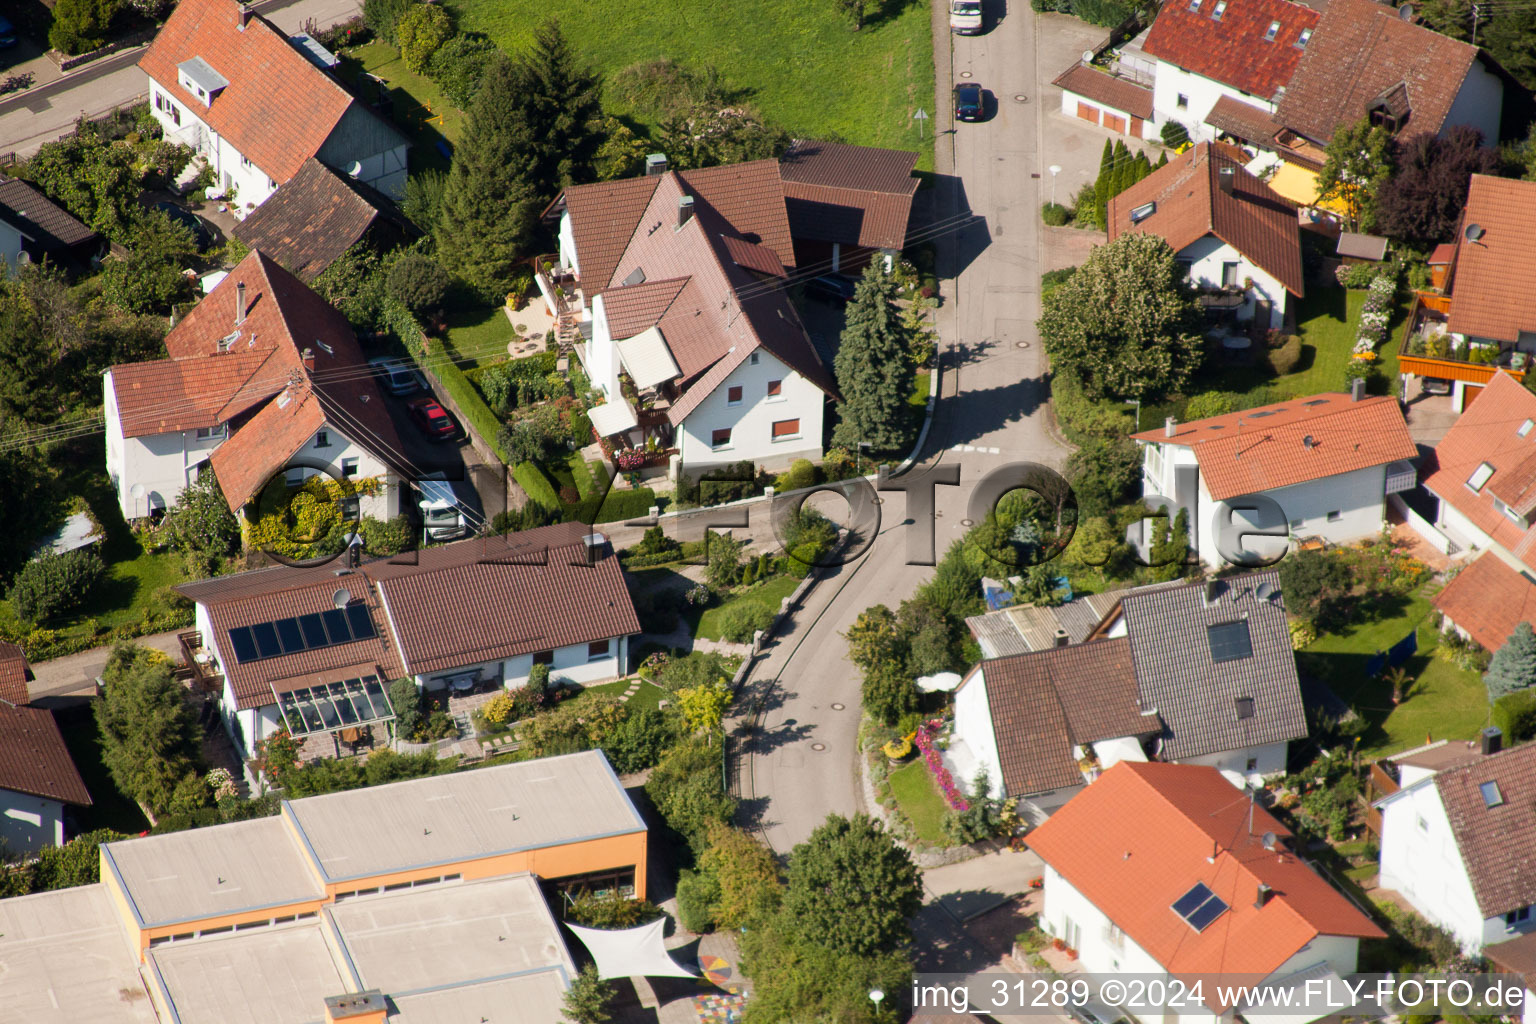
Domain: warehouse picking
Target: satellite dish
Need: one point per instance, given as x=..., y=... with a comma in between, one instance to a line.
x=1263, y=590
x=341, y=598
x=1269, y=840
x=1087, y=56
x=1473, y=232
x=355, y=168
x=1405, y=12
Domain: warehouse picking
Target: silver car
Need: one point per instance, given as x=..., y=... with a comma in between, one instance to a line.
x=397, y=376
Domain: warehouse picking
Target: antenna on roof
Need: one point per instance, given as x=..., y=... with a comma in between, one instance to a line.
x=341, y=598
x=1087, y=56
x=1269, y=840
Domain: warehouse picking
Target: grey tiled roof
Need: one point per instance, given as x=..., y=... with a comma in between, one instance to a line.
x=1497, y=843
x=1023, y=628
x=1197, y=697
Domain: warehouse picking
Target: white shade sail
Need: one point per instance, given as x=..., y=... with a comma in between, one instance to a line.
x=942, y=681
x=631, y=952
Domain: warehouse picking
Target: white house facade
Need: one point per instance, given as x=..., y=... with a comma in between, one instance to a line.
x=1187, y=97
x=29, y=823
x=149, y=472
x=1214, y=263
x=763, y=411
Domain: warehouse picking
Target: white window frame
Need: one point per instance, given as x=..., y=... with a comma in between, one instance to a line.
x=741, y=393
x=1303, y=39
x=778, y=438
x=1272, y=31
x=349, y=466
x=1479, y=478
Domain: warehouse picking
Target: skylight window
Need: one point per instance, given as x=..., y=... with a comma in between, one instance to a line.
x=1480, y=476
x=1199, y=907
x=1244, y=707
x=1491, y=795
x=1229, y=641
x=1525, y=428
x=1303, y=39
x=1269, y=33
x=1194, y=5
x=1221, y=8
x=1142, y=212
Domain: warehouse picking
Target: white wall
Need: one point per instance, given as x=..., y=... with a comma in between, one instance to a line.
x=1268, y=759
x=568, y=248
x=602, y=362
x=1478, y=103
x=163, y=463
x=1207, y=257
x=572, y=664
x=29, y=823
x=973, y=729
x=1202, y=94
x=10, y=246
x=1357, y=498
x=751, y=421
x=385, y=504
x=1423, y=863
x=1462, y=530
x=1070, y=100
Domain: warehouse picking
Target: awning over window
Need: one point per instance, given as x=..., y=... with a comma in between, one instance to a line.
x=648, y=359
x=614, y=417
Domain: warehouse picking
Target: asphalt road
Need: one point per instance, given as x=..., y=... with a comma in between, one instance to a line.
x=802, y=765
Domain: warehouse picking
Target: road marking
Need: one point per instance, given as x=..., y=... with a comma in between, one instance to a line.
x=994, y=451
x=969, y=448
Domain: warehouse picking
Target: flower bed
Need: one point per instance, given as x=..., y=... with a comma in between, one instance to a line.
x=1374, y=316
x=931, y=757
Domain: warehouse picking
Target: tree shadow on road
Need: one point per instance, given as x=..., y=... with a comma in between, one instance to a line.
x=979, y=411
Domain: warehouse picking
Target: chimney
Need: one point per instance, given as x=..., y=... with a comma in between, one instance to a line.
x=244, y=17
x=1307, y=442
x=239, y=303
x=308, y=356
x=1357, y=389
x=655, y=164
x=1213, y=589
x=1226, y=177
x=368, y=1007
x=1264, y=893
x=1168, y=425
x=1062, y=639
x=684, y=211
x=1493, y=740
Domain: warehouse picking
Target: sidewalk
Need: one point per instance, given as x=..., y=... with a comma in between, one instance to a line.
x=75, y=674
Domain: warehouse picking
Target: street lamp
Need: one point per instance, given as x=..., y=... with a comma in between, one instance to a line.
x=860, y=454
x=876, y=996
x=1055, y=169
x=1137, y=403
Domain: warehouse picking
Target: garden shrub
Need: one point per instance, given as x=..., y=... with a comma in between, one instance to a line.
x=697, y=894
x=802, y=558
x=688, y=790
x=698, y=668
x=80, y=26
x=459, y=65
x=730, y=482
x=1053, y=279
x=1515, y=715
x=51, y=585
x=405, y=699
x=1055, y=215
x=1356, y=275
x=381, y=16
x=420, y=31
x=800, y=475
x=639, y=741
x=1284, y=357
x=611, y=910
x=416, y=281
x=739, y=622
x=1174, y=134
x=1210, y=403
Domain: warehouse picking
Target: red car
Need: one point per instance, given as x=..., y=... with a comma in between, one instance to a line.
x=433, y=419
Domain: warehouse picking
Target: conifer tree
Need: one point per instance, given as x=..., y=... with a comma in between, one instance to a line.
x=559, y=101
x=874, y=368
x=1513, y=666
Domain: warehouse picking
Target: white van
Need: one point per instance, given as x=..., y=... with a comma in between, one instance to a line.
x=442, y=513
x=965, y=17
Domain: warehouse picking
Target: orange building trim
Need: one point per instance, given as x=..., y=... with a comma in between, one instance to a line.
x=1450, y=369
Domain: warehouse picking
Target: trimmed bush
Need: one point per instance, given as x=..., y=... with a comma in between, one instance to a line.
x=464, y=396
x=800, y=475
x=1174, y=134
x=1055, y=215
x=740, y=621
x=1515, y=715
x=537, y=485
x=1211, y=403
x=697, y=893
x=1284, y=357
x=51, y=585
x=416, y=281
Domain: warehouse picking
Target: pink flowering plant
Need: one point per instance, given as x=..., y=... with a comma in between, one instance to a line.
x=629, y=458
x=953, y=795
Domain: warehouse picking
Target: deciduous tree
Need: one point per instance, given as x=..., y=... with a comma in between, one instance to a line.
x=201, y=519
x=874, y=372
x=852, y=887
x=1126, y=324
x=747, y=875
x=1359, y=162
x=1311, y=579
x=1422, y=201
x=150, y=278
x=420, y=31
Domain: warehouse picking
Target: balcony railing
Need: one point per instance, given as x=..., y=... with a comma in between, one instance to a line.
x=1429, y=350
x=1401, y=476
x=559, y=287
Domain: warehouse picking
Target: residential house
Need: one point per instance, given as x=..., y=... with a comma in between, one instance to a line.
x=1168, y=872
x=1235, y=234
x=421, y=900
x=1366, y=60
x=255, y=104
x=1025, y=628
x=1460, y=844
x=846, y=204
x=1191, y=673
x=313, y=650
x=1478, y=321
x=318, y=215
x=15, y=674
x=34, y=229
x=1329, y=461
x=38, y=779
x=1486, y=600
x=1517, y=956
x=264, y=377
x=678, y=281
x=1483, y=475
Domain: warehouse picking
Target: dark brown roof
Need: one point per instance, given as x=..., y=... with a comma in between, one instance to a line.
x=1518, y=956
x=749, y=201
x=1497, y=844
x=36, y=216
x=1488, y=599
x=630, y=309
x=1190, y=204
x=752, y=256
x=316, y=216
x=1111, y=90
x=603, y=219
x=1232, y=49
x=854, y=195
x=1490, y=278
x=34, y=759
x=1362, y=51
x=1243, y=121
x=14, y=674
x=1045, y=702
x=438, y=609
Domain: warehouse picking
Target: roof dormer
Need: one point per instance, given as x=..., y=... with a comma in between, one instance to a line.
x=199, y=79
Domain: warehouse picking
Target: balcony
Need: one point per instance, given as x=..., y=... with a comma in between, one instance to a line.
x=1430, y=350
x=1401, y=476
x=202, y=668
x=560, y=288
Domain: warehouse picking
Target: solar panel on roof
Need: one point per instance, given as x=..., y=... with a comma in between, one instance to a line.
x=358, y=619
x=245, y=644
x=336, y=625
x=1229, y=641
x=314, y=630
x=1190, y=901
x=266, y=640
x=289, y=635
x=1207, y=912
x=331, y=706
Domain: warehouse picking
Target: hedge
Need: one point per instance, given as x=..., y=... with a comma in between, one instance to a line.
x=623, y=504
x=537, y=484
x=464, y=394
x=1515, y=715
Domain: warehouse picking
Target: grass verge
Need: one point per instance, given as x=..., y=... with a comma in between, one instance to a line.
x=919, y=800
x=706, y=624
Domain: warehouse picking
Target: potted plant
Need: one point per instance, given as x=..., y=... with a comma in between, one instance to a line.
x=1057, y=944
x=1071, y=953
x=898, y=750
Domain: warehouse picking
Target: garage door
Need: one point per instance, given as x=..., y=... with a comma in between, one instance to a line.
x=1136, y=127
x=1114, y=122
x=1469, y=394
x=1087, y=113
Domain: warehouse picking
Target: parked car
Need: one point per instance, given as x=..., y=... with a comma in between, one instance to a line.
x=433, y=419
x=189, y=220
x=7, y=33
x=970, y=103
x=397, y=376
x=830, y=288
x=1435, y=386
x=965, y=17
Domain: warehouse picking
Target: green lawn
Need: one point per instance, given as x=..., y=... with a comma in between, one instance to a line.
x=919, y=396
x=1446, y=702
x=479, y=336
x=913, y=788
x=648, y=696
x=422, y=110
x=109, y=808
x=707, y=625
x=801, y=64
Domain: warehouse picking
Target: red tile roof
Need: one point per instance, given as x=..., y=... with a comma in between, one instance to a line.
x=1489, y=280
x=14, y=674
x=751, y=256
x=278, y=109
x=1266, y=448
x=34, y=759
x=1498, y=843
x=181, y=394
x=854, y=195
x=1143, y=835
x=1232, y=50
x=1488, y=599
x=1363, y=52
x=604, y=216
x=1489, y=431
x=1243, y=121
x=1190, y=205
x=1117, y=93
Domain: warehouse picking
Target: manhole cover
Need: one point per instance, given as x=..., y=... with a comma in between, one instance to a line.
x=838, y=707
x=1021, y=344
x=967, y=522
x=818, y=746
x=1019, y=97
x=965, y=74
